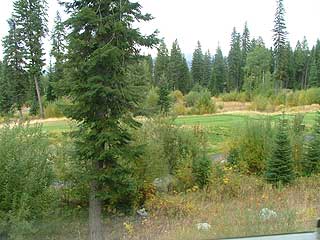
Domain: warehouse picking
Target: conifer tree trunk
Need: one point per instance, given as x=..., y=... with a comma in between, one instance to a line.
x=95, y=213
x=39, y=98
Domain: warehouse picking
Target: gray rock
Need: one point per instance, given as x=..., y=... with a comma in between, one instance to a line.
x=142, y=213
x=203, y=226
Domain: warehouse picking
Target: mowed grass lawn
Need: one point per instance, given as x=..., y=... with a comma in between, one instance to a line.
x=219, y=127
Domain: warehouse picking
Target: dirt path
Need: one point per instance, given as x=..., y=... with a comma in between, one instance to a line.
x=35, y=121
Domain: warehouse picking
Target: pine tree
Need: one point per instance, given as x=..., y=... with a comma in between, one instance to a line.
x=102, y=44
x=301, y=64
x=219, y=73
x=245, y=48
x=58, y=38
x=280, y=165
x=31, y=19
x=313, y=76
x=234, y=62
x=289, y=67
x=149, y=61
x=164, y=101
x=186, y=85
x=178, y=73
x=6, y=96
x=15, y=83
x=311, y=159
x=197, y=65
x=161, y=64
x=207, y=69
x=279, y=40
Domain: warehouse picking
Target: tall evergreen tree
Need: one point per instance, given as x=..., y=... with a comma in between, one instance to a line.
x=279, y=40
x=187, y=82
x=280, y=165
x=289, y=67
x=197, y=65
x=178, y=73
x=58, y=51
x=245, y=48
x=31, y=19
x=316, y=55
x=6, y=95
x=102, y=43
x=164, y=101
x=207, y=69
x=311, y=159
x=15, y=81
x=234, y=62
x=162, y=63
x=150, y=64
x=219, y=73
x=313, y=76
x=301, y=64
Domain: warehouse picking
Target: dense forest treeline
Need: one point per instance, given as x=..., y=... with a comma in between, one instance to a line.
x=249, y=67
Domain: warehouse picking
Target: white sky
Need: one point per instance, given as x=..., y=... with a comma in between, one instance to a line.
x=211, y=21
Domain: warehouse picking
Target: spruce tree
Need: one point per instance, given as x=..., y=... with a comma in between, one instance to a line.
x=207, y=69
x=245, y=48
x=15, y=83
x=197, y=65
x=161, y=64
x=6, y=95
x=58, y=38
x=102, y=44
x=186, y=85
x=178, y=73
x=31, y=19
x=164, y=101
x=279, y=41
x=280, y=165
x=234, y=62
x=313, y=76
x=219, y=73
x=311, y=159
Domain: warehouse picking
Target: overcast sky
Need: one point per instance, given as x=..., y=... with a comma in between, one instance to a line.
x=211, y=21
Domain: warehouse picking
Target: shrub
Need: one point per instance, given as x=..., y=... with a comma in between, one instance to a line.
x=25, y=178
x=250, y=146
x=171, y=150
x=150, y=105
x=192, y=98
x=205, y=104
x=235, y=96
x=261, y=103
x=54, y=109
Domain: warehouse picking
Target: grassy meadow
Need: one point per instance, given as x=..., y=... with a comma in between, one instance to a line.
x=232, y=203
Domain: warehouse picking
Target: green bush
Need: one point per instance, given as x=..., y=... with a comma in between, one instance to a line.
x=205, y=104
x=250, y=146
x=192, y=98
x=25, y=178
x=172, y=150
x=235, y=96
x=54, y=109
x=150, y=105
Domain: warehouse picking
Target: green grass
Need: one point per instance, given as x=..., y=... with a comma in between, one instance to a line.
x=219, y=127
x=57, y=126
